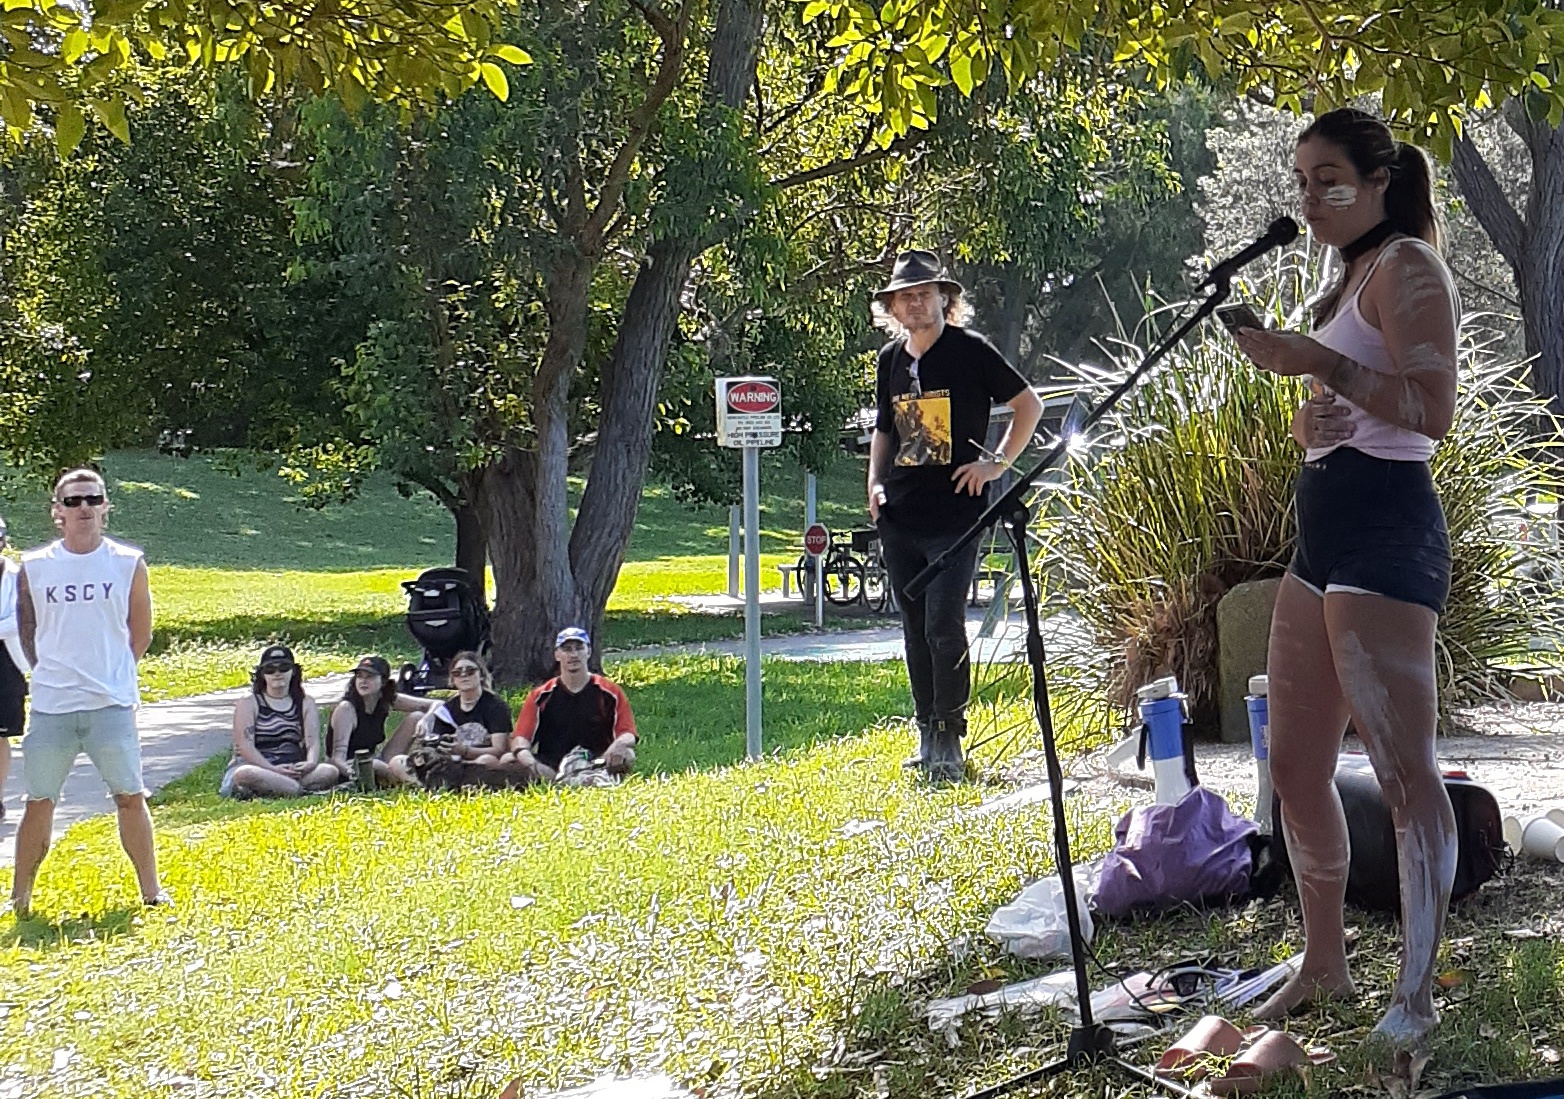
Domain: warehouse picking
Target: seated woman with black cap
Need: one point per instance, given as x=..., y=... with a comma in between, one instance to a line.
x=358, y=724
x=277, y=735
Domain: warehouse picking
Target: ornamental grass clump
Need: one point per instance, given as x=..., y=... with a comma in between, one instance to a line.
x=1185, y=491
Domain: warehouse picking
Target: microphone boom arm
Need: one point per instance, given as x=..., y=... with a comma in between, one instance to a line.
x=1014, y=496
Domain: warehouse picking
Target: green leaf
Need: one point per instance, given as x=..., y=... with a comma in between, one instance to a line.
x=111, y=112
x=513, y=54
x=494, y=77
x=961, y=72
x=69, y=128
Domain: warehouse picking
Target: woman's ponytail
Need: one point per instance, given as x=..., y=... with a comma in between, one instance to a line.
x=1409, y=200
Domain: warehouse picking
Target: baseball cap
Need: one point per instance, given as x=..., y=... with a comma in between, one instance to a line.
x=572, y=633
x=376, y=664
x=276, y=654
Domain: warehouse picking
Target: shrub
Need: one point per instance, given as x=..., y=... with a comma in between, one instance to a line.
x=1185, y=490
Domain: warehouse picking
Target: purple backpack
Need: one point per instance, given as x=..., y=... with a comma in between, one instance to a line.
x=1167, y=855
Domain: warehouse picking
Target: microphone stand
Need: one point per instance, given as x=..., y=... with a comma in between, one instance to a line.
x=1091, y=1041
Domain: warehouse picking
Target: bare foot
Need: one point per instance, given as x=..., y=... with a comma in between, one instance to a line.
x=1404, y=1028
x=1305, y=989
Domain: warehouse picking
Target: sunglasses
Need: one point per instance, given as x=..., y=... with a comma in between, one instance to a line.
x=275, y=669
x=92, y=500
x=366, y=673
x=464, y=671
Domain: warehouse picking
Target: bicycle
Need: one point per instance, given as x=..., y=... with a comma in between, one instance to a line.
x=877, y=594
x=842, y=575
x=849, y=578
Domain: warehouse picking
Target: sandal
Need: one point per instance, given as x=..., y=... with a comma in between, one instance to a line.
x=1212, y=1037
x=1272, y=1052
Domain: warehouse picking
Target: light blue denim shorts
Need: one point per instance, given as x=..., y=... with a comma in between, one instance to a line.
x=53, y=742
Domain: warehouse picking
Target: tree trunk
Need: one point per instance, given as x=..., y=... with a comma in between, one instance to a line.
x=527, y=499
x=1533, y=245
x=628, y=396
x=472, y=547
x=1012, y=322
x=561, y=576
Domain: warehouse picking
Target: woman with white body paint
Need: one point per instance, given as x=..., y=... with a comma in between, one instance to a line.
x=1353, y=631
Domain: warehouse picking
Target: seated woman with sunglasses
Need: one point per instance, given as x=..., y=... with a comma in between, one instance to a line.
x=276, y=735
x=474, y=727
x=358, y=724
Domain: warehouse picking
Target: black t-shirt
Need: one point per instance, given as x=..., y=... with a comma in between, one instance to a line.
x=476, y=727
x=936, y=423
x=556, y=721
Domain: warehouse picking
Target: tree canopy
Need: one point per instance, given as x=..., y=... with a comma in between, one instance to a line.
x=82, y=61
x=1430, y=62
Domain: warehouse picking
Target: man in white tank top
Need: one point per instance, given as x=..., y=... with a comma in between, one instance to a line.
x=84, y=612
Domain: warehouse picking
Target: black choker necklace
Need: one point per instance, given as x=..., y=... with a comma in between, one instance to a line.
x=1370, y=239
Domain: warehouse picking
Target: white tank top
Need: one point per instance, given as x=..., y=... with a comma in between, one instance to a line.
x=82, y=605
x=1347, y=333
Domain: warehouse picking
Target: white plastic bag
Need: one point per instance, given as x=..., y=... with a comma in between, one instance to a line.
x=1026, y=997
x=1034, y=925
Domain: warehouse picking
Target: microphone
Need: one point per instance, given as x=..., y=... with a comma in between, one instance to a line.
x=1282, y=231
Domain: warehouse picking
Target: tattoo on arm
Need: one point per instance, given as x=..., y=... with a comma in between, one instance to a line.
x=26, y=619
x=1400, y=399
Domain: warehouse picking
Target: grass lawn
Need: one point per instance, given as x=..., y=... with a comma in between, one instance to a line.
x=237, y=562
x=773, y=930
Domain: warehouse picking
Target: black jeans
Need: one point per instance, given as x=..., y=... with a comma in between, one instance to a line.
x=934, y=625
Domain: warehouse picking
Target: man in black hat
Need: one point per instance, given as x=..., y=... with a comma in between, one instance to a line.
x=935, y=385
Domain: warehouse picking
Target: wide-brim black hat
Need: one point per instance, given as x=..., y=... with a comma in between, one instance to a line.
x=918, y=267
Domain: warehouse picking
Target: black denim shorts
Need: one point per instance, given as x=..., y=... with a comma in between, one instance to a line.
x=1372, y=525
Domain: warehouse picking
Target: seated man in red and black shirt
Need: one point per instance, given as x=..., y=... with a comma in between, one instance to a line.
x=575, y=709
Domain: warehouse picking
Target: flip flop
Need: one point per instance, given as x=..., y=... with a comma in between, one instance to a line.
x=1191, y=1057
x=1272, y=1052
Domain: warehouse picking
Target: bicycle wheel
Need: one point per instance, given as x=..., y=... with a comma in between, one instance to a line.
x=844, y=580
x=802, y=571
x=876, y=588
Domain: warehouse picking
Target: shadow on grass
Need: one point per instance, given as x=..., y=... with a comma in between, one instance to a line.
x=688, y=708
x=1501, y=986
x=372, y=632
x=194, y=799
x=40, y=933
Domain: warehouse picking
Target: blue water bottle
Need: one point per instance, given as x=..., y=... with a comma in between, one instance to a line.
x=1162, y=711
x=1258, y=701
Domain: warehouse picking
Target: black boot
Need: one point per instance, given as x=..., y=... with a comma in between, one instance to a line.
x=947, y=763
x=925, y=746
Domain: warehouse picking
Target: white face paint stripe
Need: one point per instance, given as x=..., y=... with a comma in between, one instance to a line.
x=1340, y=196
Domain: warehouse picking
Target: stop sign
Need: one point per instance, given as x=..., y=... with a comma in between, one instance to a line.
x=817, y=540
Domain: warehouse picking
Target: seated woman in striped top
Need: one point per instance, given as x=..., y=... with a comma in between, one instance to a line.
x=277, y=735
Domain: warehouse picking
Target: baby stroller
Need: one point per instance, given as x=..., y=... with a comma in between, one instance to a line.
x=445, y=616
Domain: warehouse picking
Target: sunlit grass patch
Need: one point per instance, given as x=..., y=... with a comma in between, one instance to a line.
x=766, y=929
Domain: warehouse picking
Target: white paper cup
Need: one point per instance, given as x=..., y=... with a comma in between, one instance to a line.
x=1513, y=827
x=1543, y=838
x=1556, y=815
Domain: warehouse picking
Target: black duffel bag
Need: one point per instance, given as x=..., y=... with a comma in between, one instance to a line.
x=1373, y=881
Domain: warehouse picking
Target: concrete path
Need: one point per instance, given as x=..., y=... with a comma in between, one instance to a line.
x=1005, y=642
x=176, y=737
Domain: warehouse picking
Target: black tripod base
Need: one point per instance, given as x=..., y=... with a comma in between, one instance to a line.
x=1089, y=1045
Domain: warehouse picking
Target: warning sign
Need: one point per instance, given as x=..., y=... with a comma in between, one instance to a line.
x=749, y=412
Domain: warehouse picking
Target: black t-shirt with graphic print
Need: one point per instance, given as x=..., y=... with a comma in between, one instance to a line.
x=473, y=728
x=936, y=422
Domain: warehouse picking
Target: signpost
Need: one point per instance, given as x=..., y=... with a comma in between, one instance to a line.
x=749, y=415
x=817, y=541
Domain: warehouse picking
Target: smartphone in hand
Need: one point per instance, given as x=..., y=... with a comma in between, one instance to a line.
x=1239, y=315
